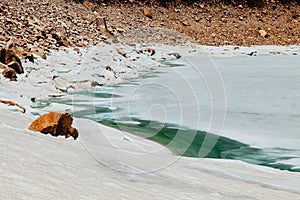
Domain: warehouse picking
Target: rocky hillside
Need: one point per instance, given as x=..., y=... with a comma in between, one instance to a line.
x=36, y=26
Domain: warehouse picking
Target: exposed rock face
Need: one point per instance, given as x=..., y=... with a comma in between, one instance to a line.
x=56, y=124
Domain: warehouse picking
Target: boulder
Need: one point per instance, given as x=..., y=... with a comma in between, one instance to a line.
x=10, y=73
x=9, y=57
x=16, y=66
x=55, y=124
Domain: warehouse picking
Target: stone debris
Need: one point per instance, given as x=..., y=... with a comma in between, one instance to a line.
x=263, y=33
x=52, y=24
x=89, y=5
x=148, y=13
x=56, y=124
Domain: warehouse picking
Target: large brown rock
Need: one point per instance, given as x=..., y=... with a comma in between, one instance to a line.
x=10, y=73
x=16, y=66
x=56, y=124
x=9, y=57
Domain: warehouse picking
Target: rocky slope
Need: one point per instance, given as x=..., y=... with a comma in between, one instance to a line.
x=39, y=25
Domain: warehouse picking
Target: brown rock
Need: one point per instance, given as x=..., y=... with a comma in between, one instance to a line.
x=3, y=66
x=89, y=5
x=16, y=66
x=40, y=52
x=77, y=50
x=11, y=103
x=56, y=124
x=10, y=73
x=108, y=68
x=64, y=42
x=185, y=23
x=177, y=55
x=263, y=33
x=224, y=19
x=8, y=57
x=148, y=13
x=149, y=51
x=22, y=42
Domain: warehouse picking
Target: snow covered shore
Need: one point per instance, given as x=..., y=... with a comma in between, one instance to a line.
x=119, y=166
x=35, y=166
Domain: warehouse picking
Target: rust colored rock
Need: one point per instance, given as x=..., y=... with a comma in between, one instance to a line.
x=55, y=124
x=11, y=103
x=9, y=57
x=224, y=19
x=148, y=13
x=10, y=73
x=89, y=5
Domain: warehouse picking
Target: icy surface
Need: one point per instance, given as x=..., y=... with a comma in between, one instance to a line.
x=35, y=166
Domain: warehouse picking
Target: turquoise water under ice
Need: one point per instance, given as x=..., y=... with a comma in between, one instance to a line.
x=243, y=108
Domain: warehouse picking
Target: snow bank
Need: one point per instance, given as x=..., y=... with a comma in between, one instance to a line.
x=35, y=166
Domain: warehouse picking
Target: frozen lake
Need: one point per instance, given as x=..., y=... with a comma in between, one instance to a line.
x=253, y=100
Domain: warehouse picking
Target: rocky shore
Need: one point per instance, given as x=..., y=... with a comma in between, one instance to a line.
x=37, y=26
x=32, y=29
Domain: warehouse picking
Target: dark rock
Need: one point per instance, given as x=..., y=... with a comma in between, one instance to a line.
x=10, y=73
x=16, y=66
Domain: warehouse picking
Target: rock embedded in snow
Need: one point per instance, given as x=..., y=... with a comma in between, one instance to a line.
x=9, y=57
x=11, y=63
x=10, y=73
x=11, y=103
x=56, y=124
x=16, y=67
